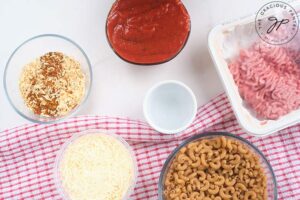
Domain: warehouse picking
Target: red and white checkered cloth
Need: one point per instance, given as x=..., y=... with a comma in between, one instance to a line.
x=27, y=153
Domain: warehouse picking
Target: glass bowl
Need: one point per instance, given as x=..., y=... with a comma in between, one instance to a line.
x=152, y=63
x=26, y=53
x=59, y=156
x=271, y=179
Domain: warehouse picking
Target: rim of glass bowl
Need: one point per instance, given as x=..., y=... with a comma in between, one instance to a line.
x=75, y=136
x=155, y=63
x=212, y=134
x=72, y=112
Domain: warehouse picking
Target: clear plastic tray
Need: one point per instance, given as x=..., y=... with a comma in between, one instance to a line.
x=225, y=42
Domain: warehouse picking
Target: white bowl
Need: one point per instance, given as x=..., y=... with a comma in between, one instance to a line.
x=225, y=41
x=170, y=107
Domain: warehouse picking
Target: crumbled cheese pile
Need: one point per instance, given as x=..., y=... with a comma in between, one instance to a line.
x=52, y=85
x=96, y=167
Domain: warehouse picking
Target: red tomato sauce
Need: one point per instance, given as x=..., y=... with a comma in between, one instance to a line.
x=148, y=31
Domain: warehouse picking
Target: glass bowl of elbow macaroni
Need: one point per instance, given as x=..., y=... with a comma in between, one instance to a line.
x=217, y=166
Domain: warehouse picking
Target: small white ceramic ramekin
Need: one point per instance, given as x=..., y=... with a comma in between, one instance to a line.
x=170, y=107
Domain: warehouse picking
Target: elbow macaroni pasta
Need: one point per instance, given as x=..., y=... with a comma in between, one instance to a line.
x=215, y=169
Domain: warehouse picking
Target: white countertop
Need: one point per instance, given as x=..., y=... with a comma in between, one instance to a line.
x=118, y=87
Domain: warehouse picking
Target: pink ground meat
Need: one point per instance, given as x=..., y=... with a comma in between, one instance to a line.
x=268, y=78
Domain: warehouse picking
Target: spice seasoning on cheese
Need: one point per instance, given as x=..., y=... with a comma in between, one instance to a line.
x=52, y=85
x=96, y=166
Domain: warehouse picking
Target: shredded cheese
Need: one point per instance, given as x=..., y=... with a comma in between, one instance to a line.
x=96, y=167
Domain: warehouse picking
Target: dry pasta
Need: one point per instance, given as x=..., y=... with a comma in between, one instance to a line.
x=223, y=171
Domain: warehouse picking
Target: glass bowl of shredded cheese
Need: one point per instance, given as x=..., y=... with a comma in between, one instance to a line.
x=95, y=164
x=47, y=78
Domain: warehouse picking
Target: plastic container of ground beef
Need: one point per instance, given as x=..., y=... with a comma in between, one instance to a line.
x=263, y=100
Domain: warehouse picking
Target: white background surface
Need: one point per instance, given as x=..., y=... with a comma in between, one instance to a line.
x=118, y=87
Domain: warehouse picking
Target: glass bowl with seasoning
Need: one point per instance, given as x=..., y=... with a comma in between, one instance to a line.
x=148, y=32
x=47, y=78
x=217, y=166
x=95, y=164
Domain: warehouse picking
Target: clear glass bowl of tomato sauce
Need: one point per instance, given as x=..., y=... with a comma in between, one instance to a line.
x=148, y=32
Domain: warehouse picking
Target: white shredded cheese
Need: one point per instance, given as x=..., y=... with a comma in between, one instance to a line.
x=96, y=167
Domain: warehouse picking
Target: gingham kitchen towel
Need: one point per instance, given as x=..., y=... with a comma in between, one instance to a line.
x=27, y=153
